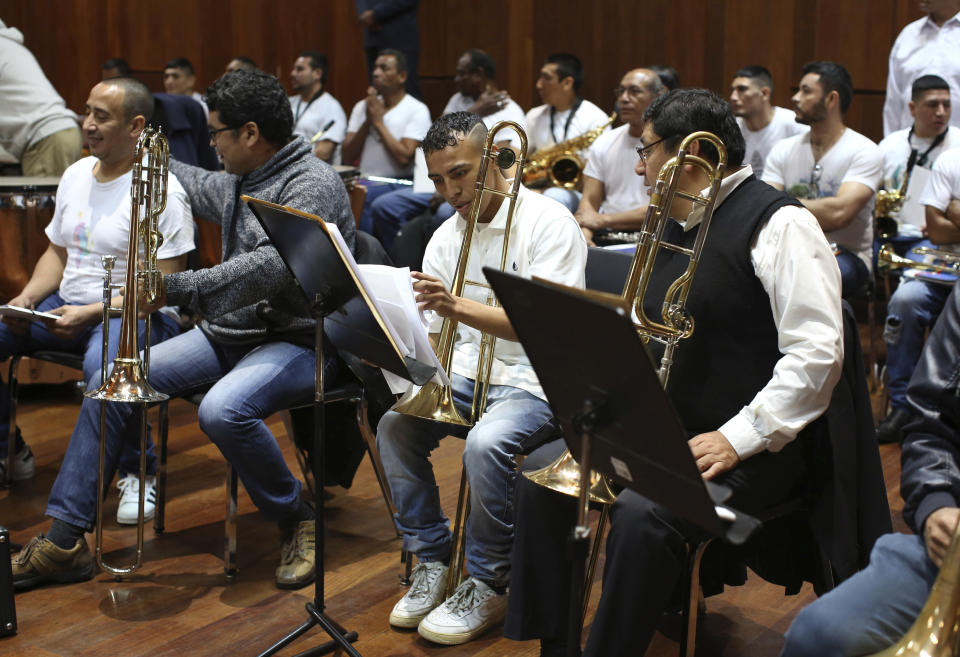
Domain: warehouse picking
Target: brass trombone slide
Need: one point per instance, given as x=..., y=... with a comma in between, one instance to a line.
x=888, y=260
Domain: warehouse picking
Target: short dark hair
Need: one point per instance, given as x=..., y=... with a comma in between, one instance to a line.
x=481, y=61
x=758, y=74
x=182, y=63
x=398, y=56
x=677, y=113
x=927, y=83
x=247, y=64
x=118, y=63
x=833, y=77
x=317, y=60
x=667, y=74
x=450, y=129
x=242, y=96
x=137, y=99
x=568, y=66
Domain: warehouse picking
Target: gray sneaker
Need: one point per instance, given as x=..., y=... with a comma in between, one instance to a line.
x=426, y=592
x=472, y=609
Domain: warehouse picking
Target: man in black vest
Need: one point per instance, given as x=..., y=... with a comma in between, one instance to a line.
x=761, y=365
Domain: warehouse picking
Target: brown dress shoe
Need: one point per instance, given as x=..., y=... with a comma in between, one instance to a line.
x=41, y=562
x=297, y=552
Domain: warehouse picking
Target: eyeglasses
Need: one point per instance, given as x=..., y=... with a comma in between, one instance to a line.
x=214, y=133
x=633, y=91
x=643, y=151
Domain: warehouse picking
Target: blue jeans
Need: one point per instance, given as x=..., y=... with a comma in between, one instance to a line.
x=570, y=198
x=514, y=422
x=871, y=610
x=374, y=191
x=248, y=383
x=89, y=344
x=853, y=273
x=391, y=211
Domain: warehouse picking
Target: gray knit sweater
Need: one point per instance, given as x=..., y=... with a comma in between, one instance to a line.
x=251, y=296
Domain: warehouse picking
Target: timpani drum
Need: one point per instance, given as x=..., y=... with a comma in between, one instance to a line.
x=26, y=207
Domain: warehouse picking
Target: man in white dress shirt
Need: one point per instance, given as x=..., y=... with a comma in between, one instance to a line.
x=612, y=198
x=317, y=116
x=927, y=45
x=761, y=123
x=563, y=115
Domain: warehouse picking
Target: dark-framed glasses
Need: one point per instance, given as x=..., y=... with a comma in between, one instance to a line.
x=215, y=132
x=643, y=151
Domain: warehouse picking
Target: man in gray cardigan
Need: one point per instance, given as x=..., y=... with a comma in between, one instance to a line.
x=253, y=343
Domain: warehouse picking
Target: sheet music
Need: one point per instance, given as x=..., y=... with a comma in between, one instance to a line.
x=912, y=212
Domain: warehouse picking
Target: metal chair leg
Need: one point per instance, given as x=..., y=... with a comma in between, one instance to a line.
x=595, y=548
x=691, y=598
x=306, y=468
x=12, y=428
x=230, y=526
x=159, y=514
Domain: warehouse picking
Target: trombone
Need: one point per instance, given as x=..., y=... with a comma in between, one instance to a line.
x=127, y=382
x=434, y=401
x=888, y=260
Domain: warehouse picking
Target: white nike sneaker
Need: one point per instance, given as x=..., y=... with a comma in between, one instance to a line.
x=130, y=499
x=426, y=592
x=472, y=609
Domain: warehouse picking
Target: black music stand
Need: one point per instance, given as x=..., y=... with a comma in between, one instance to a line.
x=641, y=446
x=324, y=275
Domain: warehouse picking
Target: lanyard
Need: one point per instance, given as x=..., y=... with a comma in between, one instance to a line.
x=301, y=109
x=922, y=159
x=566, y=128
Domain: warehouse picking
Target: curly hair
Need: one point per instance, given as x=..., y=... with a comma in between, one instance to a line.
x=243, y=96
x=450, y=129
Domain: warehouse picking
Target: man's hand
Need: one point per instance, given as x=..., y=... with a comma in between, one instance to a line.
x=367, y=19
x=938, y=532
x=587, y=235
x=375, y=107
x=490, y=102
x=19, y=326
x=73, y=320
x=714, y=454
x=589, y=218
x=432, y=295
x=144, y=307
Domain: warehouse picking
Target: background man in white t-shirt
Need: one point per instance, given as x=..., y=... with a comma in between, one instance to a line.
x=317, y=116
x=92, y=219
x=385, y=129
x=563, y=115
x=761, y=123
x=833, y=170
x=613, y=198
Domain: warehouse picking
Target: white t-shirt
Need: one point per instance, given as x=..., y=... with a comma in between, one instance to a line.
x=545, y=241
x=896, y=153
x=92, y=219
x=944, y=186
x=611, y=160
x=197, y=96
x=854, y=158
x=408, y=119
x=511, y=112
x=310, y=117
x=539, y=135
x=760, y=142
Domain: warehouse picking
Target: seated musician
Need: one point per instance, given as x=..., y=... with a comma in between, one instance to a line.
x=612, y=200
x=544, y=241
x=253, y=343
x=315, y=109
x=832, y=169
x=564, y=115
x=477, y=92
x=915, y=304
x=92, y=219
x=384, y=130
x=179, y=78
x=873, y=609
x=761, y=365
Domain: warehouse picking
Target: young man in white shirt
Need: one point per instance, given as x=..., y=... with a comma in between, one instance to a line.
x=832, y=170
x=317, y=116
x=612, y=199
x=929, y=45
x=563, y=115
x=92, y=219
x=545, y=242
x=179, y=78
x=761, y=123
x=385, y=129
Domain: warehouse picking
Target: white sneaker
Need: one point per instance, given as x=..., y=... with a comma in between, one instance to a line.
x=130, y=499
x=426, y=592
x=23, y=466
x=472, y=609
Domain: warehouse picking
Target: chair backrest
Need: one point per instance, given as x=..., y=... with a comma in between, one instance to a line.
x=358, y=196
x=607, y=270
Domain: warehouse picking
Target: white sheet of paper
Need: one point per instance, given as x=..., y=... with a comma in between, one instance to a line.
x=18, y=312
x=421, y=183
x=912, y=212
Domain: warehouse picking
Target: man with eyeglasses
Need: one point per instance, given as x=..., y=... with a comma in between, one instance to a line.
x=760, y=367
x=832, y=169
x=761, y=122
x=252, y=347
x=612, y=200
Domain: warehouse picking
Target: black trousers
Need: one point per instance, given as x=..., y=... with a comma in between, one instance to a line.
x=645, y=553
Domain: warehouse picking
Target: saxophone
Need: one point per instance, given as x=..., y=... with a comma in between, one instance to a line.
x=890, y=202
x=560, y=165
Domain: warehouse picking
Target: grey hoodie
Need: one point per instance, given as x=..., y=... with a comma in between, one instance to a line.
x=251, y=296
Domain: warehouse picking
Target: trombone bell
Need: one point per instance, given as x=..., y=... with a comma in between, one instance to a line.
x=563, y=476
x=432, y=402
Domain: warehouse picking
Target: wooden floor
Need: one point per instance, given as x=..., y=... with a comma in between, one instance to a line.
x=179, y=603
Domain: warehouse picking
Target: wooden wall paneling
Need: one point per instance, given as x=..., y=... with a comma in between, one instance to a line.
x=761, y=33
x=516, y=68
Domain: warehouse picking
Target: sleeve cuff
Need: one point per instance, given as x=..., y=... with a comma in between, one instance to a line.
x=177, y=288
x=743, y=436
x=929, y=504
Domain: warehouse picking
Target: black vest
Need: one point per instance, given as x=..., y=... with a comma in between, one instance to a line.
x=731, y=354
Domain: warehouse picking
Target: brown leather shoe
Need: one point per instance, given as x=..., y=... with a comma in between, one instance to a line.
x=297, y=553
x=41, y=562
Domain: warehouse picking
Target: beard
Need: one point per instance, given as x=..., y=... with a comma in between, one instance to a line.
x=816, y=114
